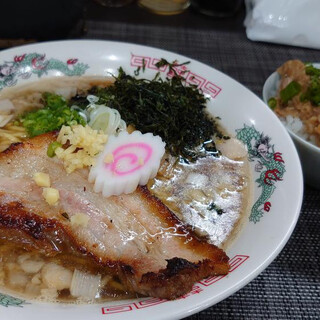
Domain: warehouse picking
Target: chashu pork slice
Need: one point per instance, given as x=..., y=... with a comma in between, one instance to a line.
x=134, y=236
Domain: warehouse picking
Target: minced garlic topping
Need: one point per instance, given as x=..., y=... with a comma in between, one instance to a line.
x=51, y=195
x=42, y=179
x=85, y=144
x=79, y=219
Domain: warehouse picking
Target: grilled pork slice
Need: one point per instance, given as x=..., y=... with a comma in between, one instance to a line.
x=134, y=236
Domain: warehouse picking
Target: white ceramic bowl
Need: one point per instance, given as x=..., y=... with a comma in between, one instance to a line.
x=309, y=153
x=277, y=176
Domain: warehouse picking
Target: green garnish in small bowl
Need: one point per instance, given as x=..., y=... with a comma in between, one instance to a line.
x=313, y=91
x=290, y=91
x=272, y=102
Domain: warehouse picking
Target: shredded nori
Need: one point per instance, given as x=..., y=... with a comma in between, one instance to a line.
x=168, y=108
x=213, y=206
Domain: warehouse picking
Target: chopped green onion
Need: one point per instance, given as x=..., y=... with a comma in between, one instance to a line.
x=51, y=152
x=53, y=101
x=272, y=103
x=53, y=116
x=312, y=93
x=312, y=71
x=290, y=91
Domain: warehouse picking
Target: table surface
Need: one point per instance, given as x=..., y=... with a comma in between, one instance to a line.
x=290, y=287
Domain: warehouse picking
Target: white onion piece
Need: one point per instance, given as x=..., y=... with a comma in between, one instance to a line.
x=84, y=285
x=56, y=276
x=92, y=99
x=122, y=125
x=6, y=107
x=101, y=117
x=114, y=120
x=106, y=119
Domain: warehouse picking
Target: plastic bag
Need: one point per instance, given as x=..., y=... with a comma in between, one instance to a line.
x=291, y=22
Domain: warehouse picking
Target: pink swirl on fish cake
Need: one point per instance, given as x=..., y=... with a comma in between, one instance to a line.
x=128, y=160
x=132, y=158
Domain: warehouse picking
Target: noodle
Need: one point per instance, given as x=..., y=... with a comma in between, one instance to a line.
x=11, y=134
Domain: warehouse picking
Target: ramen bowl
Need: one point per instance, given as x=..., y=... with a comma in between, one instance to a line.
x=277, y=184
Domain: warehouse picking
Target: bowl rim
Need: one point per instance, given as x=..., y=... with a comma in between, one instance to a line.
x=206, y=302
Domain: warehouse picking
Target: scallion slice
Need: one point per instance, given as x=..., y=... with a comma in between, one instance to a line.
x=272, y=102
x=290, y=91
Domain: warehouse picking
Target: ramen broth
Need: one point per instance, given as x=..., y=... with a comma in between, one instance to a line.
x=37, y=276
x=194, y=192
